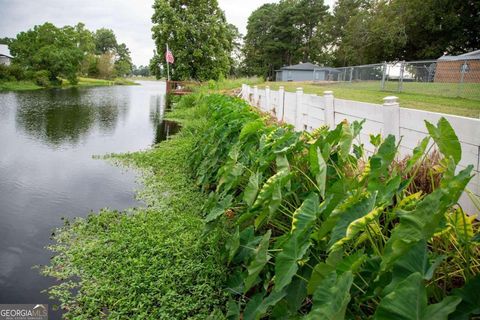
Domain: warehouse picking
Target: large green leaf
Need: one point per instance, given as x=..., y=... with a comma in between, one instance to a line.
x=421, y=223
x=257, y=308
x=306, y=214
x=380, y=163
x=232, y=244
x=351, y=210
x=251, y=190
x=409, y=301
x=318, y=167
x=346, y=139
x=259, y=261
x=470, y=295
x=269, y=197
x=219, y=208
x=357, y=226
x=446, y=139
x=331, y=297
x=286, y=262
x=417, y=153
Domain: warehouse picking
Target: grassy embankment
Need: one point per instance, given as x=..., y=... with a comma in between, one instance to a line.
x=420, y=96
x=149, y=262
x=82, y=82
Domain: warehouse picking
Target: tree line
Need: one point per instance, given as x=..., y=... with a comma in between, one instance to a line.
x=354, y=32
x=47, y=53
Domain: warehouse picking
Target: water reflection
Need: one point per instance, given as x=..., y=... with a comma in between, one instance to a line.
x=47, y=139
x=163, y=128
x=64, y=117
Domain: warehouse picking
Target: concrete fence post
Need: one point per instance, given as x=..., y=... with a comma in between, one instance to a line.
x=267, y=99
x=329, y=111
x=391, y=117
x=255, y=96
x=299, y=110
x=281, y=103
x=244, y=89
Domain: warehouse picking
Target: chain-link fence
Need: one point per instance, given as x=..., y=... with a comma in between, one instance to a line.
x=449, y=77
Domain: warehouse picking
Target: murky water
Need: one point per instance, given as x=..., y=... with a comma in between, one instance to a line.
x=47, y=139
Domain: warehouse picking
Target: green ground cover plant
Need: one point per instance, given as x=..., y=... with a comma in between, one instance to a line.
x=148, y=262
x=317, y=232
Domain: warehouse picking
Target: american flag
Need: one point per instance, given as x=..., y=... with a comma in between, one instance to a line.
x=169, y=56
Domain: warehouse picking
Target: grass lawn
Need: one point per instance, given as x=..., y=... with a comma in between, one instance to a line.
x=18, y=86
x=82, y=82
x=432, y=100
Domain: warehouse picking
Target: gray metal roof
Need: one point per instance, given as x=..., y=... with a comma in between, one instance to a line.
x=307, y=66
x=301, y=66
x=473, y=55
x=4, y=51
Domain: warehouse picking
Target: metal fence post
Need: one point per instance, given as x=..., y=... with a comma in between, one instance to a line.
x=462, y=78
x=329, y=111
x=255, y=96
x=391, y=117
x=384, y=74
x=298, y=110
x=281, y=103
x=351, y=74
x=400, y=78
x=267, y=99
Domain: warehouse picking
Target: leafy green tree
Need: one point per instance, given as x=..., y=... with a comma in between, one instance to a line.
x=5, y=40
x=198, y=36
x=105, y=41
x=289, y=32
x=157, y=62
x=123, y=63
x=49, y=48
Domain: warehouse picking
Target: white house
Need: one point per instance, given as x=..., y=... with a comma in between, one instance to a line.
x=5, y=57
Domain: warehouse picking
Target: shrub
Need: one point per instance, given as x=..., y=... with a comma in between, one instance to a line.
x=5, y=73
x=317, y=231
x=12, y=72
x=42, y=78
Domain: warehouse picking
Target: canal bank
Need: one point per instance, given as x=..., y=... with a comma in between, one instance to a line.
x=151, y=262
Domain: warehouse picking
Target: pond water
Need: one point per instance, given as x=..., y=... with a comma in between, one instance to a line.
x=47, y=140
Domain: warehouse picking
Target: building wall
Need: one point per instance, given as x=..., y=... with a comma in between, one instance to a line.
x=296, y=75
x=450, y=71
x=5, y=60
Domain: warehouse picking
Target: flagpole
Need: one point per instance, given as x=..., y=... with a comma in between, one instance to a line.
x=168, y=69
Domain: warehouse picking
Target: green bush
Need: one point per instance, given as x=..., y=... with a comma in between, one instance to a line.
x=316, y=231
x=5, y=73
x=11, y=73
x=42, y=78
x=17, y=72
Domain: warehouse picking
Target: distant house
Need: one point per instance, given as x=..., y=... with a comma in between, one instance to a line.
x=464, y=67
x=5, y=57
x=305, y=72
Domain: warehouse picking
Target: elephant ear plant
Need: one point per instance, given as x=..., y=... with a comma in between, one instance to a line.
x=315, y=231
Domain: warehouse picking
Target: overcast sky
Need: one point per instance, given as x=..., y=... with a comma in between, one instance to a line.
x=130, y=20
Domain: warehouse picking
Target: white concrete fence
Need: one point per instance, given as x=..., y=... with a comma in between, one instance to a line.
x=309, y=111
